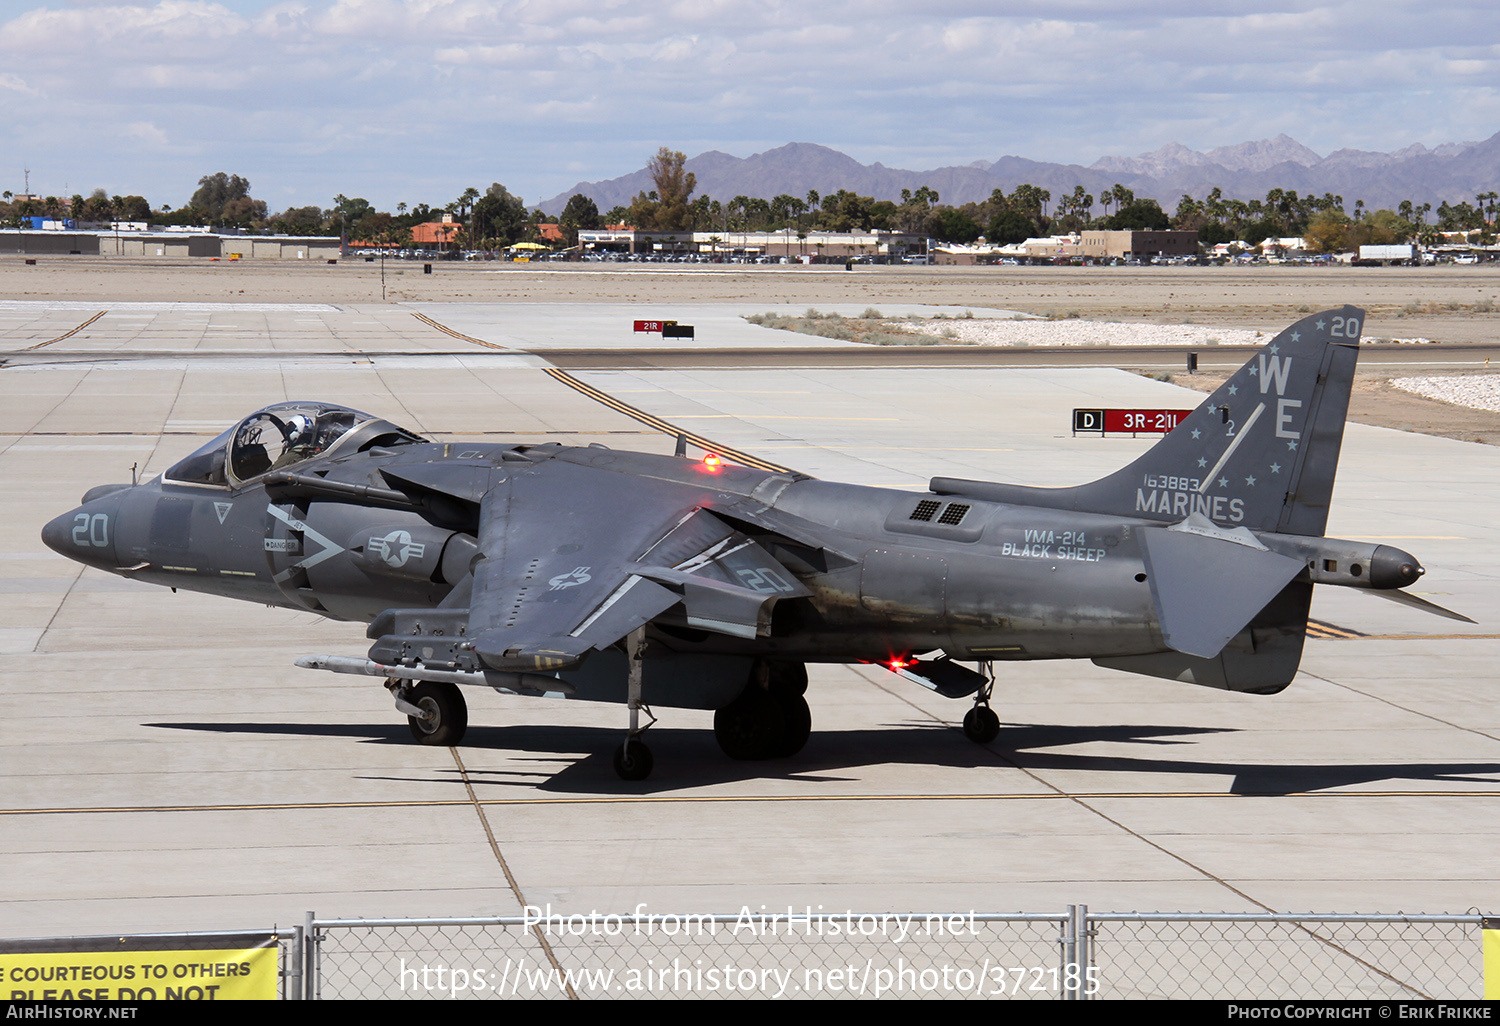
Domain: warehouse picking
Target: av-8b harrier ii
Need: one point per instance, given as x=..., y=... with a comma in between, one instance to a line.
x=590, y=573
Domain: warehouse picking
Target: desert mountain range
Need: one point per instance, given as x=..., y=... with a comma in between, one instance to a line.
x=1452, y=172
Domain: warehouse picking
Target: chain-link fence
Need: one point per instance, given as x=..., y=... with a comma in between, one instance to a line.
x=749, y=955
x=1265, y=957
x=1070, y=954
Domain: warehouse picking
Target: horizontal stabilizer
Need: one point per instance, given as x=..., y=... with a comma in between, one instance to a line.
x=1208, y=585
x=1408, y=599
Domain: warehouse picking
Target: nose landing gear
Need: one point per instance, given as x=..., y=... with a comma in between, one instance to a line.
x=435, y=710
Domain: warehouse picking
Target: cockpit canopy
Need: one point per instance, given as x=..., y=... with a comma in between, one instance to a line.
x=281, y=436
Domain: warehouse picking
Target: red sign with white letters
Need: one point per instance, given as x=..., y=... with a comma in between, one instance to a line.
x=1142, y=421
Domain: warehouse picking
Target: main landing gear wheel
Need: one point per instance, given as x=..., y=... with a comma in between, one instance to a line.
x=796, y=725
x=446, y=715
x=981, y=725
x=752, y=726
x=633, y=760
x=787, y=683
x=770, y=719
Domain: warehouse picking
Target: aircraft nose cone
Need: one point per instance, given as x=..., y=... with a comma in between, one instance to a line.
x=86, y=534
x=57, y=535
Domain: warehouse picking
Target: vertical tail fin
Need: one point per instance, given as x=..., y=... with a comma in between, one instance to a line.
x=1260, y=453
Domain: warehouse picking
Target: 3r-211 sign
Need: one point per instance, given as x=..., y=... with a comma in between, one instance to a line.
x=1127, y=421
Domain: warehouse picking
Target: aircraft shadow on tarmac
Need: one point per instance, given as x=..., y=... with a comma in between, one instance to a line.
x=577, y=760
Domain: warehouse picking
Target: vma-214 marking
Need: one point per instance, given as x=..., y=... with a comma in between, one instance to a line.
x=629, y=577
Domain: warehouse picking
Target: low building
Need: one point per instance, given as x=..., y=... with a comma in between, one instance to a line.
x=1042, y=250
x=430, y=234
x=170, y=245
x=788, y=244
x=1127, y=245
x=1291, y=246
x=617, y=238
x=953, y=254
x=802, y=246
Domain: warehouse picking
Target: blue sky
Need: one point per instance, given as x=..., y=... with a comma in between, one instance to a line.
x=414, y=100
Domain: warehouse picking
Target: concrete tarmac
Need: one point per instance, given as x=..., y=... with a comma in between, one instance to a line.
x=166, y=767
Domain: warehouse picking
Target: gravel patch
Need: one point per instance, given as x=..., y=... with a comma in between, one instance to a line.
x=986, y=331
x=1478, y=392
x=1075, y=332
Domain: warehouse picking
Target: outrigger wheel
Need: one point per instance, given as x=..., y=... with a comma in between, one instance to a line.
x=981, y=725
x=633, y=760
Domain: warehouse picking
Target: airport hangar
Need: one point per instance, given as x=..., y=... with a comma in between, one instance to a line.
x=169, y=768
x=169, y=244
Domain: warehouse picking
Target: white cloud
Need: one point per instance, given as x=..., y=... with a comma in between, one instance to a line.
x=465, y=86
x=15, y=84
x=147, y=133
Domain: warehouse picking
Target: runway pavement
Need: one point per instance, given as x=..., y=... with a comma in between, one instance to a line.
x=166, y=767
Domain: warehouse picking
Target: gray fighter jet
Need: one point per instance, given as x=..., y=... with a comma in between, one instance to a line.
x=697, y=583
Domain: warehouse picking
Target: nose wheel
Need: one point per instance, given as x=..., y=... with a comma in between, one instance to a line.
x=435, y=710
x=633, y=760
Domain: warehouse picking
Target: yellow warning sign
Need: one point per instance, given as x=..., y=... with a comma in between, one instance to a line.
x=1491, y=931
x=90, y=974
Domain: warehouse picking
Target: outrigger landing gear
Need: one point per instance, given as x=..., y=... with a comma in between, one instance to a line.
x=435, y=710
x=633, y=759
x=981, y=725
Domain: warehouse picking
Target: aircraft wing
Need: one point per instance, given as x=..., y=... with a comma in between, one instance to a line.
x=575, y=559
